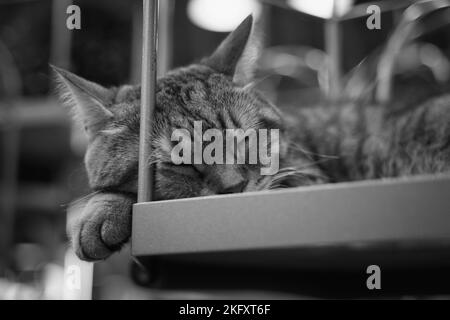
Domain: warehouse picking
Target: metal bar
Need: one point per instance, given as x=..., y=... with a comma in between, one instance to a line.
x=333, y=47
x=165, y=40
x=10, y=128
x=165, y=36
x=148, y=97
x=8, y=189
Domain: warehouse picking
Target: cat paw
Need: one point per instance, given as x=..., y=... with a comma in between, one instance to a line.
x=103, y=227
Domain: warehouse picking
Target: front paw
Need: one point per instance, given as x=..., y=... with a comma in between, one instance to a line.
x=103, y=227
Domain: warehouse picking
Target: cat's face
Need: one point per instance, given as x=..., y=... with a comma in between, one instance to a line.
x=193, y=94
x=184, y=96
x=206, y=92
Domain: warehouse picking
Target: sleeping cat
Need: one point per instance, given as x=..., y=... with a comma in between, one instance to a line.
x=319, y=145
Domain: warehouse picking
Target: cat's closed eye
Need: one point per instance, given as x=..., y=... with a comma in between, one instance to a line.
x=184, y=169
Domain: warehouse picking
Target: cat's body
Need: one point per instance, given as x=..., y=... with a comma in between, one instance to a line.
x=357, y=142
x=318, y=145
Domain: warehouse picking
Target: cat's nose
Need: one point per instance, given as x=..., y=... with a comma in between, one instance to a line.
x=237, y=188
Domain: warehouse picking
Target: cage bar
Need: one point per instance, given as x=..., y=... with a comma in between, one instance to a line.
x=165, y=36
x=148, y=96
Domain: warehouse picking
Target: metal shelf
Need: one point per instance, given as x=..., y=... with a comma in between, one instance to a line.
x=405, y=212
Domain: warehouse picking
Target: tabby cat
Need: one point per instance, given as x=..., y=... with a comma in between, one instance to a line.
x=321, y=145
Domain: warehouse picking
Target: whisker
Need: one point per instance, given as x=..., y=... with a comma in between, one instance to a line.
x=312, y=164
x=298, y=147
x=80, y=201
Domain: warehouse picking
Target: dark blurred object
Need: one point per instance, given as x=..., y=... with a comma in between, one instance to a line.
x=25, y=31
x=102, y=48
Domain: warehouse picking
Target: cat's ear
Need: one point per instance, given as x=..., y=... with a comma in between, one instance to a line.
x=88, y=100
x=236, y=55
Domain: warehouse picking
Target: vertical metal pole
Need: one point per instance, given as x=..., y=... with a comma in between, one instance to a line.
x=148, y=97
x=8, y=187
x=333, y=47
x=165, y=32
x=10, y=130
x=165, y=39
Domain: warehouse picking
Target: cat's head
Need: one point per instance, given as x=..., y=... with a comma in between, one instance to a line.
x=216, y=91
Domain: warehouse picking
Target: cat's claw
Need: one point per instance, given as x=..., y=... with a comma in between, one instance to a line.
x=103, y=227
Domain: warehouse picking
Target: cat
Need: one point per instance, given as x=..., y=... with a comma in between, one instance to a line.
x=325, y=144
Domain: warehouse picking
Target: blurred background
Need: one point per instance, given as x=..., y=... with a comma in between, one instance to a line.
x=315, y=52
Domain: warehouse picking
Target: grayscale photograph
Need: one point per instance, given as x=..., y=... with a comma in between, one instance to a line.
x=224, y=150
